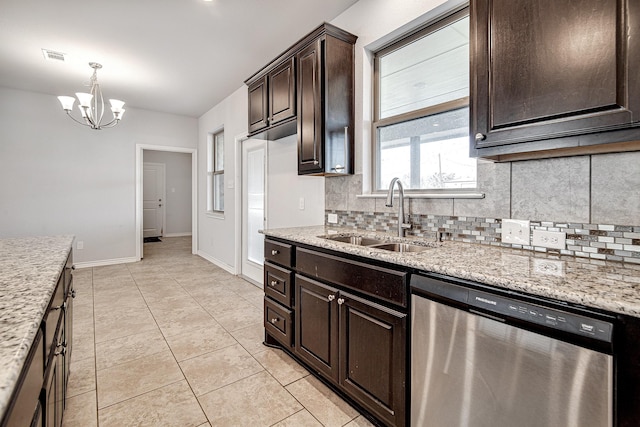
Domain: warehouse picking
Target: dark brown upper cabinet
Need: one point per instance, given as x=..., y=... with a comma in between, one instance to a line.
x=554, y=77
x=308, y=91
x=258, y=107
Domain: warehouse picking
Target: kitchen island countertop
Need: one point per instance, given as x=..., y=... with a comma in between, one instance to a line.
x=29, y=271
x=606, y=285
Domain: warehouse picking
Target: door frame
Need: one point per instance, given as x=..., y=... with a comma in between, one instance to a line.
x=194, y=192
x=238, y=140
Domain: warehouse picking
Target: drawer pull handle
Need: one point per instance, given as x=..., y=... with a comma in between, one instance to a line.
x=274, y=252
x=274, y=320
x=480, y=137
x=340, y=301
x=274, y=283
x=61, y=352
x=331, y=297
x=73, y=293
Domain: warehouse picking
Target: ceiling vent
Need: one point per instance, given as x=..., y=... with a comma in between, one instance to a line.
x=52, y=55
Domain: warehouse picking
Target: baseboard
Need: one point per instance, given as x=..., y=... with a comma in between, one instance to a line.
x=101, y=263
x=177, y=234
x=223, y=265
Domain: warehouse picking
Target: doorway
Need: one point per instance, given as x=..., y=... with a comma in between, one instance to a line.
x=254, y=155
x=139, y=235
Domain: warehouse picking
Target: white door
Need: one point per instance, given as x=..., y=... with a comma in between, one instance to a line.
x=253, y=205
x=153, y=199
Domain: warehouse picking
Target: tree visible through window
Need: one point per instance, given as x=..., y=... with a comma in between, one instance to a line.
x=216, y=173
x=421, y=124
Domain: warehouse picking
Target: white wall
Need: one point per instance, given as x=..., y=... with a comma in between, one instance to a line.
x=285, y=188
x=178, y=190
x=216, y=233
x=57, y=177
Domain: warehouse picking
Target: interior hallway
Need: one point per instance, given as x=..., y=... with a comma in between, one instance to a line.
x=174, y=340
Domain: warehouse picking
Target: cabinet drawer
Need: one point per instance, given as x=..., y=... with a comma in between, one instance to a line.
x=52, y=318
x=378, y=282
x=278, y=322
x=278, y=253
x=278, y=284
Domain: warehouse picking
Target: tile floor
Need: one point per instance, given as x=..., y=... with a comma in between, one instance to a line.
x=174, y=340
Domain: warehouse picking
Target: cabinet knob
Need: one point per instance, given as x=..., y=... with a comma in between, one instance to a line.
x=274, y=252
x=274, y=283
x=480, y=136
x=73, y=267
x=274, y=320
x=331, y=297
x=315, y=162
x=340, y=301
x=73, y=293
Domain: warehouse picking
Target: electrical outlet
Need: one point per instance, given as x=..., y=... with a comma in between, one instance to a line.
x=516, y=232
x=301, y=203
x=332, y=218
x=80, y=245
x=549, y=239
x=548, y=266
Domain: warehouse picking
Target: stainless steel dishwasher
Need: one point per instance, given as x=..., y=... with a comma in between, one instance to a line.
x=485, y=358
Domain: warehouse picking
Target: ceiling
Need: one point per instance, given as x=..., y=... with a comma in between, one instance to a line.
x=174, y=56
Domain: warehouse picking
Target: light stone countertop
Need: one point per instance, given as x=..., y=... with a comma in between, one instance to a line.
x=29, y=270
x=607, y=285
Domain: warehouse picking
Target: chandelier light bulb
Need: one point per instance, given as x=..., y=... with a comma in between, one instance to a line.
x=67, y=102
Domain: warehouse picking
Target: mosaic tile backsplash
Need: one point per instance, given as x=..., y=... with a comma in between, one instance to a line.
x=596, y=241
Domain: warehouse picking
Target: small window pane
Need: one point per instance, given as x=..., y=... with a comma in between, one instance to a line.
x=427, y=153
x=219, y=152
x=218, y=192
x=426, y=72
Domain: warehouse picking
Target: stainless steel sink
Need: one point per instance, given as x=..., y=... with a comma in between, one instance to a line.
x=400, y=247
x=355, y=240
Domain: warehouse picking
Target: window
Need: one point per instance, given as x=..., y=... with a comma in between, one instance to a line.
x=421, y=115
x=215, y=171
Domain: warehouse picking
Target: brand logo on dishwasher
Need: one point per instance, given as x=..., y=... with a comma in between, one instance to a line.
x=486, y=301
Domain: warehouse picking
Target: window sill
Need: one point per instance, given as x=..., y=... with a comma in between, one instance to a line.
x=461, y=195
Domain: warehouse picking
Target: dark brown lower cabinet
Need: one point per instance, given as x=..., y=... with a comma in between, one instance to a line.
x=54, y=385
x=316, y=327
x=372, y=356
x=356, y=343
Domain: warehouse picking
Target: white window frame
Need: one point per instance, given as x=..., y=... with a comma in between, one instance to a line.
x=212, y=172
x=422, y=31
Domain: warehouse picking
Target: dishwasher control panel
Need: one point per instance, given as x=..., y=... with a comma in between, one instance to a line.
x=557, y=319
x=503, y=307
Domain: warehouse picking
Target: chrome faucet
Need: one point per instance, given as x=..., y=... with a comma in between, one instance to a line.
x=401, y=224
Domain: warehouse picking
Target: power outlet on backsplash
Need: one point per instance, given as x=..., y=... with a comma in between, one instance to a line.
x=549, y=239
x=516, y=232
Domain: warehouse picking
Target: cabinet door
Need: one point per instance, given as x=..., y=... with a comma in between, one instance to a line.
x=310, y=123
x=373, y=357
x=282, y=92
x=54, y=384
x=316, y=329
x=258, y=107
x=551, y=69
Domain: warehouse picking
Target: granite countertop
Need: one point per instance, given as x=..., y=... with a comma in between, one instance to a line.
x=607, y=285
x=29, y=271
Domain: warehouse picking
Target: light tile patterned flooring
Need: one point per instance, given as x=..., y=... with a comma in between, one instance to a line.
x=174, y=340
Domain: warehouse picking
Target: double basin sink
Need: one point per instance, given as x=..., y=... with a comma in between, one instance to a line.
x=371, y=242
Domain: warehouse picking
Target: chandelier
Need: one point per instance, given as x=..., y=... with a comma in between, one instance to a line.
x=92, y=104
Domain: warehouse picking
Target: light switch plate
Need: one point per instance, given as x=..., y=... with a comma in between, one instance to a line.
x=516, y=232
x=549, y=239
